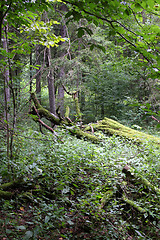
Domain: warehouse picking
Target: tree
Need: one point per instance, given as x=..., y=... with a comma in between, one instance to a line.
x=21, y=29
x=116, y=15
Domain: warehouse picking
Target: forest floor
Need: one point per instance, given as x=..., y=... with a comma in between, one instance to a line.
x=73, y=189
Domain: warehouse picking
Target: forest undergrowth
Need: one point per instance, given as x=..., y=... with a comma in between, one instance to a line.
x=67, y=188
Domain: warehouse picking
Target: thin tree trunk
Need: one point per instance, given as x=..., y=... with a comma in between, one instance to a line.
x=63, y=34
x=51, y=86
x=12, y=91
x=6, y=95
x=38, y=76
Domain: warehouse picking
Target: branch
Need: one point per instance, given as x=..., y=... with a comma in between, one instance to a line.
x=155, y=119
x=111, y=24
x=70, y=93
x=5, y=13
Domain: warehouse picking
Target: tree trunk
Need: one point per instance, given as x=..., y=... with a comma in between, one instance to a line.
x=63, y=34
x=6, y=93
x=38, y=75
x=51, y=86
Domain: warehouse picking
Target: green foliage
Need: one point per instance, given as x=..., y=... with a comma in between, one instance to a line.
x=70, y=181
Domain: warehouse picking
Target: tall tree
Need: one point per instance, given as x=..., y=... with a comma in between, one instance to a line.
x=38, y=74
x=63, y=34
x=51, y=83
x=6, y=90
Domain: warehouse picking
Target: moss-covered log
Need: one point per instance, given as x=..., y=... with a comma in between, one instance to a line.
x=133, y=204
x=11, y=185
x=5, y=194
x=106, y=125
x=106, y=198
x=44, y=112
x=113, y=127
x=85, y=135
x=130, y=172
x=74, y=130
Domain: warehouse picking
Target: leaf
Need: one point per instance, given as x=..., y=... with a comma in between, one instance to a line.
x=92, y=46
x=65, y=190
x=6, y=121
x=80, y=32
x=158, y=125
x=127, y=11
x=70, y=222
x=28, y=235
x=88, y=30
x=21, y=227
x=47, y=218
x=151, y=3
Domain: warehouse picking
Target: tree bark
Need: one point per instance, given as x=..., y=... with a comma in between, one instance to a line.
x=51, y=86
x=6, y=92
x=38, y=75
x=61, y=75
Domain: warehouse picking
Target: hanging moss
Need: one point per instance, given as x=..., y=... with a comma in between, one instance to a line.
x=67, y=112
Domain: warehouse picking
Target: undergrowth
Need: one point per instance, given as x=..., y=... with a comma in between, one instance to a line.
x=63, y=182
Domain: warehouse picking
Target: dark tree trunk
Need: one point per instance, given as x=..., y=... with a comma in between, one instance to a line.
x=63, y=34
x=51, y=86
x=6, y=94
x=38, y=75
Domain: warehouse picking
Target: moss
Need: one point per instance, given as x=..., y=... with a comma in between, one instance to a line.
x=130, y=172
x=106, y=198
x=133, y=204
x=5, y=195
x=77, y=109
x=81, y=134
x=12, y=184
x=67, y=112
x=113, y=127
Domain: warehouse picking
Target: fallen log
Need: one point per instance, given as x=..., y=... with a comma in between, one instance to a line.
x=57, y=120
x=106, y=198
x=130, y=172
x=133, y=204
x=113, y=127
x=106, y=125
x=11, y=185
x=5, y=194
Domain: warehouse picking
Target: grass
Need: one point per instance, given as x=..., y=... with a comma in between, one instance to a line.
x=69, y=179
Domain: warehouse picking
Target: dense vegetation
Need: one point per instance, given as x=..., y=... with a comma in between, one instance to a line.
x=79, y=119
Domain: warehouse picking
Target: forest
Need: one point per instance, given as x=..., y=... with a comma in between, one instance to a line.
x=79, y=119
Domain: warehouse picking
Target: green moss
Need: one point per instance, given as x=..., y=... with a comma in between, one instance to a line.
x=130, y=172
x=5, y=195
x=133, y=204
x=106, y=198
x=50, y=116
x=77, y=109
x=113, y=127
x=12, y=184
x=67, y=112
x=81, y=134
